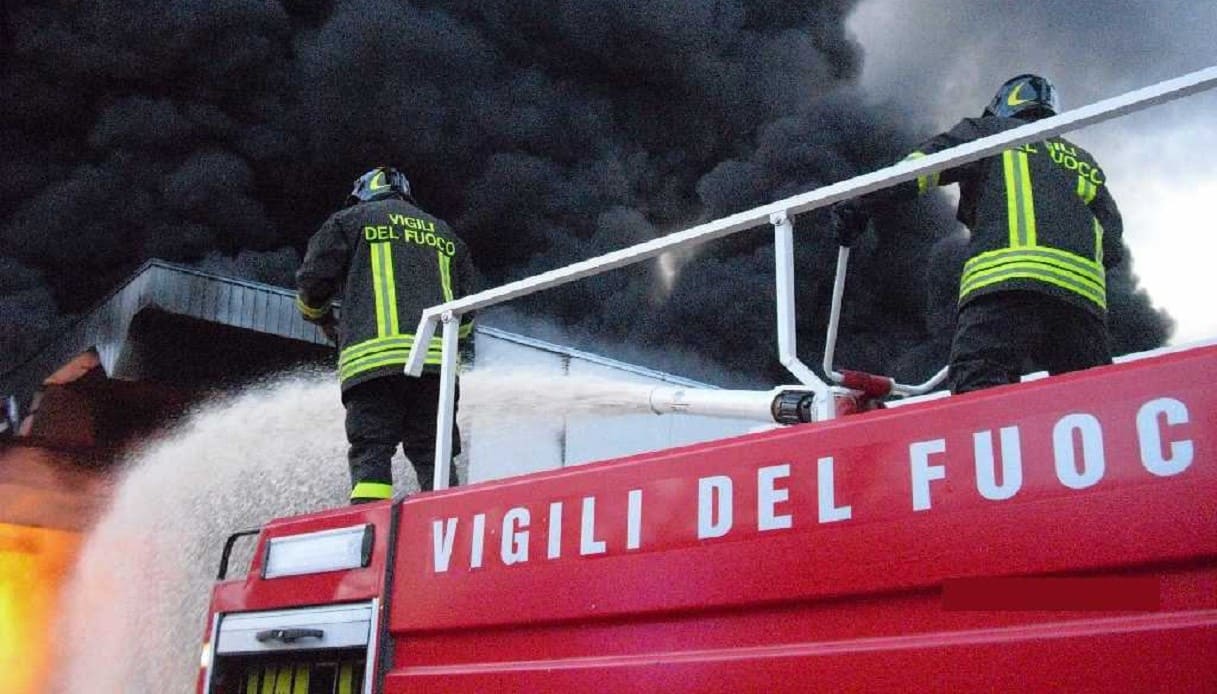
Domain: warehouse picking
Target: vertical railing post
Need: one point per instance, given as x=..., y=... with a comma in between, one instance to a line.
x=783, y=260
x=447, y=399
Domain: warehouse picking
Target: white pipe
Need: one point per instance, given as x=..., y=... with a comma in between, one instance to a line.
x=708, y=402
x=834, y=313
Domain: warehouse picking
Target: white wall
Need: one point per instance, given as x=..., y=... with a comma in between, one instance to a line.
x=525, y=442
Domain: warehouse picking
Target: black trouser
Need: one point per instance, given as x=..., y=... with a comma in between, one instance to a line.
x=386, y=411
x=1000, y=336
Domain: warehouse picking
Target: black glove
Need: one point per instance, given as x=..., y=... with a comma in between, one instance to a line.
x=849, y=220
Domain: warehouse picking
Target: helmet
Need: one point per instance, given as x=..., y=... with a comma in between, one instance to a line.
x=1027, y=96
x=379, y=183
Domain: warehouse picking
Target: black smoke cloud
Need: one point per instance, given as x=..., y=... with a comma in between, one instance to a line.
x=222, y=133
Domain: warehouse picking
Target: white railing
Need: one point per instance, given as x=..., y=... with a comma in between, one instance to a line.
x=779, y=214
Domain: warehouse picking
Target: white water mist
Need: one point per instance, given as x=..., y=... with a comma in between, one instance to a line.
x=134, y=608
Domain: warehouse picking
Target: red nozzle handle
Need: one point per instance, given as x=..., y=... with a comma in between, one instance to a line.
x=870, y=384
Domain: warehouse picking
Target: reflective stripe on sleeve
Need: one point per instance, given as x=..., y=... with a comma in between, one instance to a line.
x=311, y=312
x=928, y=181
x=1087, y=189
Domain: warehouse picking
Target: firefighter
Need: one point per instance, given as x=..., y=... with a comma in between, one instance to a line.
x=390, y=260
x=1044, y=230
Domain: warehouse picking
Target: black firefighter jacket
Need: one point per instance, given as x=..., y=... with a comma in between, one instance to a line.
x=392, y=260
x=1041, y=216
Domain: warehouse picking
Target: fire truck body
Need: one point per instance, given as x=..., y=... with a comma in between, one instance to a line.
x=1059, y=534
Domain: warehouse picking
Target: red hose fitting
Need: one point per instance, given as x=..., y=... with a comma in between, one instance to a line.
x=870, y=384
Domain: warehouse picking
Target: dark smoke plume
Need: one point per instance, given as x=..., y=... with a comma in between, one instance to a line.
x=221, y=133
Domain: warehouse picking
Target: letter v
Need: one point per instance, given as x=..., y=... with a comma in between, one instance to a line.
x=442, y=535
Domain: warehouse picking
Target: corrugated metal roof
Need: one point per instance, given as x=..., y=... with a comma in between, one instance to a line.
x=184, y=291
x=168, y=288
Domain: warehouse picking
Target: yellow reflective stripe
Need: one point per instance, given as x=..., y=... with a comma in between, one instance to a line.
x=1033, y=271
x=390, y=288
x=1053, y=265
x=1095, y=280
x=445, y=274
x=268, y=680
x=1087, y=189
x=372, y=490
x=385, y=352
x=309, y=311
x=302, y=675
x=1024, y=167
x=396, y=356
x=1020, y=205
x=383, y=289
x=1045, y=277
x=926, y=182
x=1077, y=263
x=465, y=330
x=388, y=359
x=345, y=677
x=378, y=288
x=376, y=344
x=251, y=682
x=1007, y=162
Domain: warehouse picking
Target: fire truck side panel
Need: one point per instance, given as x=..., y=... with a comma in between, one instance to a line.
x=1104, y=658
x=820, y=556
x=254, y=592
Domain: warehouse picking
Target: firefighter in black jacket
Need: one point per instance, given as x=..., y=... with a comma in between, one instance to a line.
x=1044, y=230
x=391, y=260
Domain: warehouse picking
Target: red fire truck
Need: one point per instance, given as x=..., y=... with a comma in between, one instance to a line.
x=1058, y=534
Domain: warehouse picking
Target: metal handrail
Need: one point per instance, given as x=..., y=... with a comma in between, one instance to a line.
x=778, y=214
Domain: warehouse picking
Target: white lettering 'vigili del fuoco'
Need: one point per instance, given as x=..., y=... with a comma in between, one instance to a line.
x=1078, y=461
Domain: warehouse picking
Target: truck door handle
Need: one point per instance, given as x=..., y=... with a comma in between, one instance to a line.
x=288, y=635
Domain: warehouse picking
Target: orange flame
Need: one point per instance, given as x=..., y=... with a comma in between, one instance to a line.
x=33, y=564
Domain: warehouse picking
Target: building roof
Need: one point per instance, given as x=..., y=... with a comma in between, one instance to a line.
x=166, y=320
x=167, y=289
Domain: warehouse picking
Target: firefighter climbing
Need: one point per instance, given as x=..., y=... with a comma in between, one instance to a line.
x=390, y=260
x=1044, y=231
